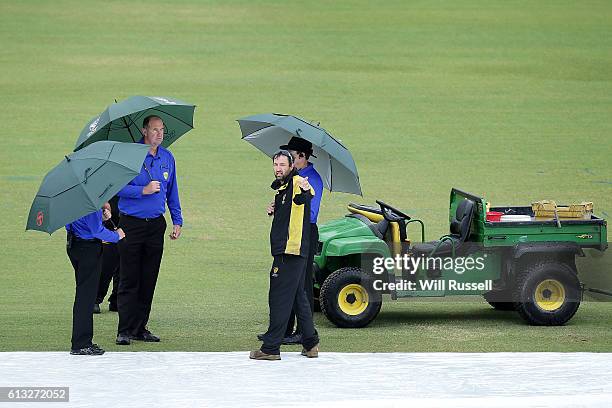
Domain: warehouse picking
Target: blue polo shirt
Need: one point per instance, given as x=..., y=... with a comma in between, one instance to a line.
x=317, y=184
x=90, y=227
x=160, y=167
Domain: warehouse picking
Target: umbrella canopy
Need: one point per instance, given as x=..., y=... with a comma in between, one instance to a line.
x=333, y=161
x=83, y=182
x=122, y=121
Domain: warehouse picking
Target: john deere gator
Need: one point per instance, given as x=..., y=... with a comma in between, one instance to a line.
x=525, y=265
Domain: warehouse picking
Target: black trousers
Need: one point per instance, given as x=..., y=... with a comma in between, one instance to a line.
x=308, y=279
x=85, y=259
x=287, y=291
x=140, y=254
x=110, y=271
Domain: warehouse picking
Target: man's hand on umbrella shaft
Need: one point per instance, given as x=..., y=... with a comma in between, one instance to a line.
x=106, y=215
x=271, y=208
x=151, y=188
x=106, y=211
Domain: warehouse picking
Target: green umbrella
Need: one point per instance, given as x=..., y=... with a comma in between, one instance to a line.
x=122, y=121
x=83, y=182
x=333, y=161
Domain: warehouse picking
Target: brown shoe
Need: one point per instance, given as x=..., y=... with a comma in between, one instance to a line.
x=260, y=355
x=312, y=353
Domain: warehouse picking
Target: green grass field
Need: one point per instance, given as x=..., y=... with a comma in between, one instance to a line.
x=508, y=99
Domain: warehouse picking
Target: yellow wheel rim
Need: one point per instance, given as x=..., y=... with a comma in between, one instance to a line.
x=550, y=295
x=353, y=299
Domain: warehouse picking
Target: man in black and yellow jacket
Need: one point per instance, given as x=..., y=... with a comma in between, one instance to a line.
x=289, y=244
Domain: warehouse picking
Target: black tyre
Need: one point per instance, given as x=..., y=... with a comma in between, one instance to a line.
x=548, y=293
x=348, y=299
x=499, y=300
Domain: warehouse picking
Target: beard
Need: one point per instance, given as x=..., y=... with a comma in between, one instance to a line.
x=282, y=179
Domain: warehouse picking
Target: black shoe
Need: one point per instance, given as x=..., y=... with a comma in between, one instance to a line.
x=96, y=308
x=123, y=339
x=312, y=353
x=88, y=351
x=147, y=336
x=112, y=307
x=260, y=336
x=295, y=338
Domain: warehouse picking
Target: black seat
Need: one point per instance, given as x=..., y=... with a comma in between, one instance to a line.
x=380, y=228
x=459, y=233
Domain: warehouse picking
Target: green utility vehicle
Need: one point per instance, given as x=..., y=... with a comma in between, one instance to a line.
x=526, y=265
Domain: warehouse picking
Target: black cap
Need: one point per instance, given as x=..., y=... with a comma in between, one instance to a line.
x=299, y=145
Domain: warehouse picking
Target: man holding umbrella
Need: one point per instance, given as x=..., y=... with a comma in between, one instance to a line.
x=318, y=155
x=84, y=249
x=142, y=205
x=71, y=195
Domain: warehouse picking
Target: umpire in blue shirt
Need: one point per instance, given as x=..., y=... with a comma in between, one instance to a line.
x=301, y=150
x=84, y=248
x=142, y=205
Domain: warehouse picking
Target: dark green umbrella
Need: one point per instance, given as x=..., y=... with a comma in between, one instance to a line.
x=122, y=121
x=83, y=182
x=333, y=161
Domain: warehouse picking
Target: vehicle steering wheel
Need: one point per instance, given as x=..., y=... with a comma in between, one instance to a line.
x=392, y=214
